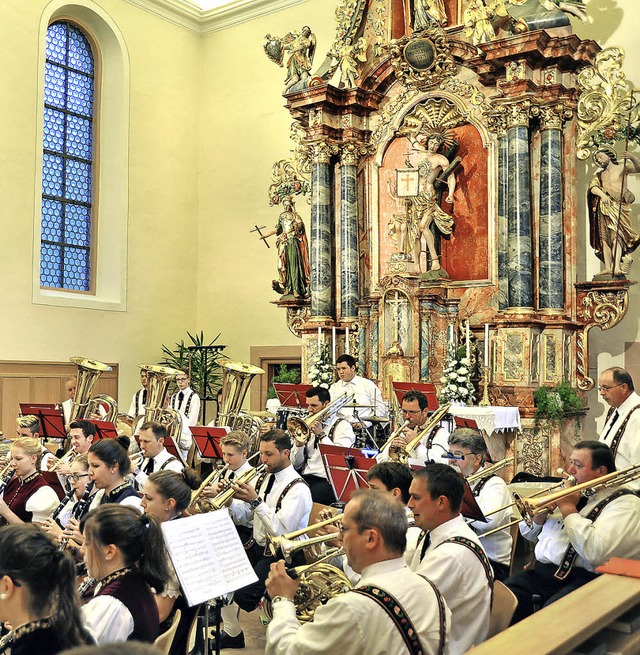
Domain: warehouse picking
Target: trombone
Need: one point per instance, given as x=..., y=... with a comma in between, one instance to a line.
x=490, y=470
x=287, y=544
x=400, y=454
x=300, y=428
x=396, y=433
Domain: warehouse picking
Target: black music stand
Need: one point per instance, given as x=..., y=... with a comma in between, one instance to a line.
x=50, y=417
x=346, y=469
x=104, y=429
x=428, y=389
x=207, y=440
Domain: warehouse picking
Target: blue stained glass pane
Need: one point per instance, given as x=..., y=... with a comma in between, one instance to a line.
x=76, y=225
x=79, y=137
x=53, y=130
x=51, y=220
x=80, y=56
x=80, y=94
x=76, y=269
x=78, y=181
x=52, y=175
x=54, y=85
x=50, y=263
x=57, y=43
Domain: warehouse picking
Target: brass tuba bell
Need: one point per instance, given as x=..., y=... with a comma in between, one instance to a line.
x=83, y=405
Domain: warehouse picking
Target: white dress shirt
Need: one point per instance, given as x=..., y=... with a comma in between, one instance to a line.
x=615, y=533
x=629, y=445
x=493, y=495
x=163, y=456
x=342, y=436
x=294, y=512
x=241, y=512
x=137, y=408
x=366, y=393
x=352, y=624
x=194, y=406
x=461, y=579
x=66, y=410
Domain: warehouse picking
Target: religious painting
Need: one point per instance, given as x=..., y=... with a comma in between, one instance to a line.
x=513, y=356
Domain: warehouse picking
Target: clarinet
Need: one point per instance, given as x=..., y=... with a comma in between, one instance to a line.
x=84, y=586
x=56, y=512
x=6, y=642
x=79, y=510
x=5, y=481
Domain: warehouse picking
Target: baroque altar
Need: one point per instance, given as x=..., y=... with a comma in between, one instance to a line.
x=437, y=145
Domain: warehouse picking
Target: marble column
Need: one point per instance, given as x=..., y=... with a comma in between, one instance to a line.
x=363, y=331
x=375, y=334
x=349, y=286
x=550, y=238
x=424, y=341
x=519, y=248
x=321, y=235
x=503, y=203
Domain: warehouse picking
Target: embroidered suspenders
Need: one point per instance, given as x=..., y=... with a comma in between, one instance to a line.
x=566, y=565
x=168, y=461
x=402, y=621
x=479, y=553
x=293, y=482
x=480, y=486
x=615, y=442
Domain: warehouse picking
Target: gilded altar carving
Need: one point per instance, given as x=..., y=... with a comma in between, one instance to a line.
x=296, y=318
x=422, y=61
x=463, y=89
x=322, y=151
x=292, y=176
x=534, y=450
x=390, y=112
x=606, y=105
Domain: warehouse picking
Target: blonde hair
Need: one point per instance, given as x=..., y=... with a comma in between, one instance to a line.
x=29, y=421
x=235, y=438
x=30, y=446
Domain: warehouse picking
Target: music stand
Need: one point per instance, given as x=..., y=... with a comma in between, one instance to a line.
x=470, y=508
x=346, y=469
x=286, y=392
x=207, y=440
x=462, y=422
x=173, y=449
x=301, y=394
x=104, y=429
x=428, y=389
x=50, y=417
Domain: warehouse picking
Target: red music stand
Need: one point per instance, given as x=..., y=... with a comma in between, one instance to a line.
x=346, y=469
x=286, y=393
x=462, y=422
x=207, y=440
x=428, y=389
x=171, y=446
x=470, y=508
x=104, y=429
x=50, y=417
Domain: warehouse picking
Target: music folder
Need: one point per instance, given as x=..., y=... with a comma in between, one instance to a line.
x=470, y=508
x=346, y=469
x=104, y=429
x=50, y=417
x=207, y=440
x=427, y=388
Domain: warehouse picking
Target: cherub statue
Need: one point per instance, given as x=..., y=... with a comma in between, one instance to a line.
x=609, y=200
x=294, y=272
x=348, y=56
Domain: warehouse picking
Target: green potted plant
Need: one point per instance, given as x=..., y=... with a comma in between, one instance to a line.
x=554, y=404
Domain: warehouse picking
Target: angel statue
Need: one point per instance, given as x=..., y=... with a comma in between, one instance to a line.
x=609, y=200
x=301, y=47
x=348, y=57
x=294, y=272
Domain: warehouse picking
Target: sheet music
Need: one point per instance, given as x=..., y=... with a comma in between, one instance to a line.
x=207, y=555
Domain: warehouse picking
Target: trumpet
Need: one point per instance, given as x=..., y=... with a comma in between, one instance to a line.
x=67, y=459
x=400, y=454
x=287, y=544
x=319, y=583
x=490, y=470
x=300, y=428
x=396, y=433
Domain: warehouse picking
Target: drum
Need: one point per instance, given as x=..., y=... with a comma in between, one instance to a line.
x=283, y=415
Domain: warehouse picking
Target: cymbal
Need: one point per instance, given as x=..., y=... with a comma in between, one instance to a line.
x=358, y=406
x=263, y=414
x=376, y=419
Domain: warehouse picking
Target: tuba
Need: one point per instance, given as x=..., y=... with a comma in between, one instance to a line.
x=236, y=378
x=300, y=428
x=83, y=405
x=160, y=377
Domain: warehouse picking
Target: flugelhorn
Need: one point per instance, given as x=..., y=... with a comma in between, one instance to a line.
x=399, y=454
x=300, y=428
x=287, y=544
x=490, y=470
x=67, y=458
x=319, y=583
x=396, y=433
x=221, y=500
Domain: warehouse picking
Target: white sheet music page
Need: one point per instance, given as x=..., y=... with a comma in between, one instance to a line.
x=207, y=555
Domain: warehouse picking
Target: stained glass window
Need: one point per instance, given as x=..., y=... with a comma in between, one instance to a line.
x=65, y=249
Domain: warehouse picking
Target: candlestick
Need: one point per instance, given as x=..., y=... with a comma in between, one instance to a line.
x=467, y=341
x=319, y=333
x=486, y=345
x=346, y=341
x=485, y=383
x=333, y=343
x=451, y=335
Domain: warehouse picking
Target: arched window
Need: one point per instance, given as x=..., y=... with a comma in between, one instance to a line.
x=67, y=162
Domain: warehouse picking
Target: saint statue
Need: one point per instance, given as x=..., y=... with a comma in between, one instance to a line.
x=301, y=47
x=427, y=13
x=294, y=272
x=609, y=200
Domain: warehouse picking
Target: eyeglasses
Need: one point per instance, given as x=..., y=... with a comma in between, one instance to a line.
x=413, y=412
x=604, y=387
x=181, y=379
x=76, y=476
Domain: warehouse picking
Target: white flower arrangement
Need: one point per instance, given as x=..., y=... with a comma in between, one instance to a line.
x=321, y=372
x=456, y=381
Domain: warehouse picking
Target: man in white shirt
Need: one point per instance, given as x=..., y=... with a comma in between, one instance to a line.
x=139, y=399
x=156, y=456
x=70, y=385
x=306, y=457
x=373, y=536
x=82, y=434
x=433, y=445
x=281, y=503
x=186, y=401
x=491, y=493
x=29, y=426
x=590, y=531
x=450, y=554
x=622, y=428
x=367, y=394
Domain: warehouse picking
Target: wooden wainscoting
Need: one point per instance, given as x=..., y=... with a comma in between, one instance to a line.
x=263, y=356
x=40, y=382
